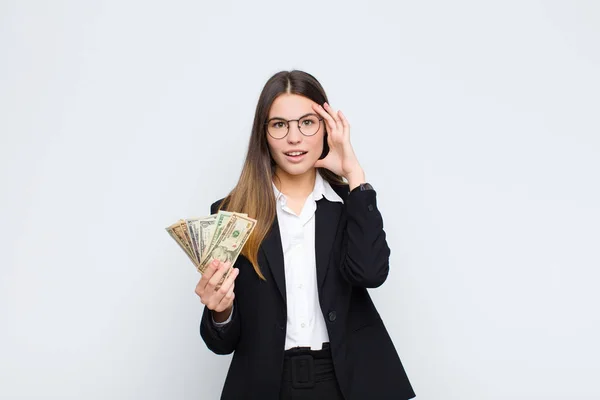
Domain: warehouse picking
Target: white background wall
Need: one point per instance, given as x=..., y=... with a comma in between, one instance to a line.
x=477, y=122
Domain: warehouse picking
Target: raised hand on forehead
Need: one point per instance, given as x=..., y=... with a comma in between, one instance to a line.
x=341, y=159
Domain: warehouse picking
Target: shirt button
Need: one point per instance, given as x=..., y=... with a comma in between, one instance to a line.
x=332, y=316
x=303, y=324
x=300, y=286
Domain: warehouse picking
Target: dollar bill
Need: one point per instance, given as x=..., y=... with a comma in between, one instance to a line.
x=228, y=245
x=176, y=232
x=219, y=236
x=216, y=228
x=206, y=232
x=200, y=232
x=192, y=228
x=183, y=228
x=222, y=218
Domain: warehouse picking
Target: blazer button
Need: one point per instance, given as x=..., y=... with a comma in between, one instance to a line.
x=332, y=316
x=370, y=207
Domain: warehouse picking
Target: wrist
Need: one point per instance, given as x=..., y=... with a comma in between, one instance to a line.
x=355, y=178
x=222, y=316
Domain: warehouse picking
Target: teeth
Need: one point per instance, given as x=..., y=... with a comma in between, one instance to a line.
x=295, y=153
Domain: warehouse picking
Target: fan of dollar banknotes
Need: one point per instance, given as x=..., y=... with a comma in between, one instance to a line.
x=221, y=236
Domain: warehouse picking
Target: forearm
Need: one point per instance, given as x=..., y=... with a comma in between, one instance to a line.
x=365, y=261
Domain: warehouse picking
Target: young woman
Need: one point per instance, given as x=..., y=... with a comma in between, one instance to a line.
x=295, y=311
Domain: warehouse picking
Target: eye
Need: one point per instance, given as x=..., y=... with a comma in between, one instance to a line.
x=278, y=124
x=307, y=122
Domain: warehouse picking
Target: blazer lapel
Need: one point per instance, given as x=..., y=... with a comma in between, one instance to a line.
x=327, y=218
x=273, y=251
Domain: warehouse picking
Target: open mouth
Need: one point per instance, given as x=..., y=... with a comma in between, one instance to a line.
x=295, y=153
x=295, y=156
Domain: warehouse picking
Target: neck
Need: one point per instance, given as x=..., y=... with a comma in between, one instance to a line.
x=295, y=186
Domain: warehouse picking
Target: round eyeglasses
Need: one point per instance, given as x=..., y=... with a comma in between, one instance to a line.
x=308, y=125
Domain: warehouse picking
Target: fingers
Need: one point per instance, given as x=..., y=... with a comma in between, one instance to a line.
x=218, y=275
x=227, y=299
x=206, y=288
x=227, y=272
x=328, y=119
x=345, y=123
x=213, y=267
x=334, y=115
x=335, y=120
x=206, y=276
x=220, y=299
x=229, y=280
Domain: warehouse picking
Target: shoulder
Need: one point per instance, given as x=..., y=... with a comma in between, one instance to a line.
x=215, y=205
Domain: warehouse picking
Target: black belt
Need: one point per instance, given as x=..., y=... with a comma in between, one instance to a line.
x=300, y=362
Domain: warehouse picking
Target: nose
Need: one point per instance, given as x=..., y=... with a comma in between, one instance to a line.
x=294, y=134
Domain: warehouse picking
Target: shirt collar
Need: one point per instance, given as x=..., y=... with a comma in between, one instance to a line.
x=321, y=189
x=324, y=189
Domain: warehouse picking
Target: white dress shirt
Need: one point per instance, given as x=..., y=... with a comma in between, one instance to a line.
x=305, y=322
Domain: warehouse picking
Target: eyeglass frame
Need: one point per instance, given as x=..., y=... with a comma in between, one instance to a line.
x=287, y=121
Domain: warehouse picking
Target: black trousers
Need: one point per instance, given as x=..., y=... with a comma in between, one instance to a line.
x=309, y=375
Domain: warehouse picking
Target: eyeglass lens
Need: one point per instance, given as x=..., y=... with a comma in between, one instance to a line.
x=309, y=125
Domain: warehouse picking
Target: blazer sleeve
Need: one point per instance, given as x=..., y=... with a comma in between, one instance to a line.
x=222, y=339
x=365, y=252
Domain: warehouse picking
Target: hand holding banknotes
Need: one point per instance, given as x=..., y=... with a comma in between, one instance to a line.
x=220, y=237
x=217, y=299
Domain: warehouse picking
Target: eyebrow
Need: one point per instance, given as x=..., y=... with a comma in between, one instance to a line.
x=312, y=113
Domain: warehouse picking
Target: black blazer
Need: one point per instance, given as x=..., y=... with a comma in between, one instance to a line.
x=351, y=255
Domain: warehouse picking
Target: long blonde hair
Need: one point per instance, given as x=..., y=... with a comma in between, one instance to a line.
x=253, y=194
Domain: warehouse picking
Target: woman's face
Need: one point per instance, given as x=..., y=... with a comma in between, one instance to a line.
x=293, y=106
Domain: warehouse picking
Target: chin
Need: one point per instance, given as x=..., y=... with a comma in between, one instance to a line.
x=297, y=169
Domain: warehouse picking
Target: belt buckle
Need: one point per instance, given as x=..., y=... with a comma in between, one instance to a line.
x=303, y=372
